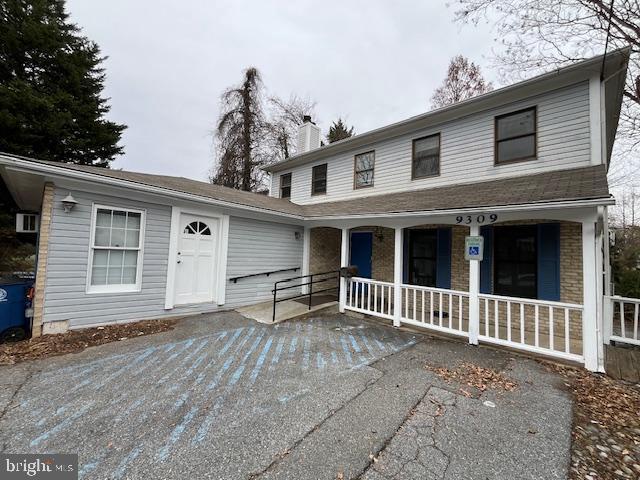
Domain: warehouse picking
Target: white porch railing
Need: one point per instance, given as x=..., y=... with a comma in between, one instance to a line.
x=436, y=308
x=623, y=319
x=538, y=326
x=370, y=297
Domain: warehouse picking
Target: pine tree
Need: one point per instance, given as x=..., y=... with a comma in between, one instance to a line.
x=51, y=81
x=339, y=131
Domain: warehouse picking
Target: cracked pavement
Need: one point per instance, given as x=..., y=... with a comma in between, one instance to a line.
x=223, y=397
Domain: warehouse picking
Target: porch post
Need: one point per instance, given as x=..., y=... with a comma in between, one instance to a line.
x=306, y=246
x=397, y=277
x=474, y=291
x=607, y=309
x=344, y=262
x=590, y=333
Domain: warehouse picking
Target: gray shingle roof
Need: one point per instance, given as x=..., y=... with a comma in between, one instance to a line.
x=565, y=185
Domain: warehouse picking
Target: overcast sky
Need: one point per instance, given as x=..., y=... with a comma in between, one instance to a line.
x=371, y=62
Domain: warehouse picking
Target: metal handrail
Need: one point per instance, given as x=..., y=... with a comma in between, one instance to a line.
x=235, y=279
x=310, y=283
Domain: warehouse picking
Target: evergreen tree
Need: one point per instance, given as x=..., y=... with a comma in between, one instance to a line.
x=339, y=131
x=51, y=83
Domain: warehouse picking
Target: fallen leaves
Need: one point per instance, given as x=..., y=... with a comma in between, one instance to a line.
x=77, y=340
x=606, y=425
x=474, y=376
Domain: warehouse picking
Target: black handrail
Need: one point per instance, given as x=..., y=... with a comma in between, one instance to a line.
x=292, y=269
x=310, y=283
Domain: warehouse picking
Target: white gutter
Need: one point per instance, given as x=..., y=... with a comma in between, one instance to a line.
x=494, y=208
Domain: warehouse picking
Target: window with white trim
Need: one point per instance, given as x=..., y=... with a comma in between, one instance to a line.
x=116, y=249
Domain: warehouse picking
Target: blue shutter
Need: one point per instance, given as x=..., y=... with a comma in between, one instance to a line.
x=443, y=261
x=549, y=261
x=405, y=255
x=486, y=265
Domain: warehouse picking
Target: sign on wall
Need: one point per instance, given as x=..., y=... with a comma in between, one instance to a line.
x=477, y=219
x=473, y=248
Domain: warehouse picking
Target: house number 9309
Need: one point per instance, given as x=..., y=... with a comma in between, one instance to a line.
x=480, y=219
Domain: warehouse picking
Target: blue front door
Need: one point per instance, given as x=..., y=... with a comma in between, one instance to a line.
x=361, y=244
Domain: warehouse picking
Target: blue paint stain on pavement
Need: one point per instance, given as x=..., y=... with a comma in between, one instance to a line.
x=292, y=347
x=238, y=373
x=305, y=356
x=261, y=359
x=345, y=349
x=320, y=363
x=276, y=356
x=60, y=426
x=163, y=453
x=131, y=456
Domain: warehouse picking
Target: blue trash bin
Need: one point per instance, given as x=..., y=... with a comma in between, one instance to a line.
x=14, y=323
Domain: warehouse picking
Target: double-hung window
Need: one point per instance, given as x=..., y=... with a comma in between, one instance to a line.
x=116, y=250
x=516, y=136
x=363, y=169
x=426, y=157
x=319, y=179
x=285, y=185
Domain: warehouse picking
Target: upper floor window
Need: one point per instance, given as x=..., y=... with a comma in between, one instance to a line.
x=319, y=179
x=285, y=185
x=426, y=157
x=116, y=250
x=516, y=136
x=363, y=169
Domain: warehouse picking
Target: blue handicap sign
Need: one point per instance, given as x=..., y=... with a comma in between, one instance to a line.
x=475, y=250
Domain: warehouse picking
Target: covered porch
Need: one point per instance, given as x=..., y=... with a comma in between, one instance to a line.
x=538, y=288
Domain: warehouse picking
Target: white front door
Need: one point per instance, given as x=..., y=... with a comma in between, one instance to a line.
x=195, y=279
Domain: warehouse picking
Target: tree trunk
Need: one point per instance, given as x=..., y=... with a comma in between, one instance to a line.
x=246, y=138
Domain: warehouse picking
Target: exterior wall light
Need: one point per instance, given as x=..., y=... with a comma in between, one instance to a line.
x=298, y=235
x=68, y=203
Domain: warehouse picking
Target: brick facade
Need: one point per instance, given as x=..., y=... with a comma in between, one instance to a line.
x=43, y=248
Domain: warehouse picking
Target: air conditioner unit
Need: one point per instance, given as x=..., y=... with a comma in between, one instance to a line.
x=27, y=222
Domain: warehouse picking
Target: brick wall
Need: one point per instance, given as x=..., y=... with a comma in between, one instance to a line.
x=43, y=249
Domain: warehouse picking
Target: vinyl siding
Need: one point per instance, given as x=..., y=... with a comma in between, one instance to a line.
x=254, y=246
x=466, y=152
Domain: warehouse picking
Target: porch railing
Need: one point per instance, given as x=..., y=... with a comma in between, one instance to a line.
x=436, y=309
x=370, y=297
x=622, y=316
x=538, y=326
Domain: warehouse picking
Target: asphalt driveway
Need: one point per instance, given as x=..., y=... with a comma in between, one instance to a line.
x=223, y=397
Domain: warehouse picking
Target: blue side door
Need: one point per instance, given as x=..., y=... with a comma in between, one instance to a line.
x=361, y=251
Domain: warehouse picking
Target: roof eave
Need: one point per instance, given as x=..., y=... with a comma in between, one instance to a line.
x=18, y=164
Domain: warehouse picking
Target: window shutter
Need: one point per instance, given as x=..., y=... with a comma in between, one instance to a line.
x=549, y=261
x=405, y=255
x=443, y=262
x=486, y=265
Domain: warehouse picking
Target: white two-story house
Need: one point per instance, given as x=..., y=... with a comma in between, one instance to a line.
x=519, y=174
